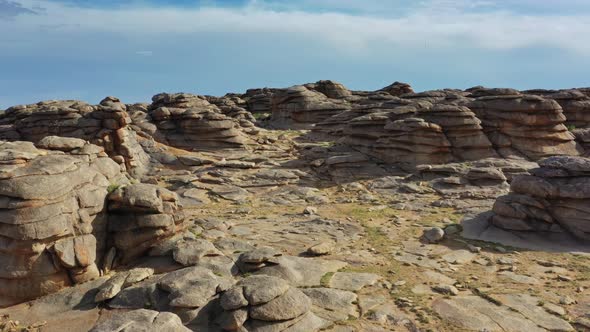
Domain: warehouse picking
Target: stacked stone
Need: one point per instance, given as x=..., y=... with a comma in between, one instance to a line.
x=398, y=89
x=105, y=125
x=141, y=216
x=334, y=126
x=554, y=198
x=190, y=122
x=462, y=129
x=299, y=107
x=575, y=105
x=330, y=89
x=234, y=107
x=523, y=126
x=259, y=101
x=265, y=303
x=419, y=133
x=52, y=220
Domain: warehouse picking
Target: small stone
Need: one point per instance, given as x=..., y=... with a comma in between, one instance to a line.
x=566, y=300
x=433, y=235
x=564, y=278
x=473, y=248
x=310, y=211
x=320, y=249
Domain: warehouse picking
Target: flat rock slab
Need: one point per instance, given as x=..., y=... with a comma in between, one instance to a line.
x=333, y=304
x=352, y=281
x=473, y=313
x=141, y=320
x=478, y=228
x=300, y=271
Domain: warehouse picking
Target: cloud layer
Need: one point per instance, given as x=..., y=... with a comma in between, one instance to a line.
x=144, y=45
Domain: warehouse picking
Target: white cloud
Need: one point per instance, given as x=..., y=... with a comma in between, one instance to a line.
x=438, y=24
x=144, y=53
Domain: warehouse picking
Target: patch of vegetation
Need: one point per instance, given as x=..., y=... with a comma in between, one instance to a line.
x=571, y=127
x=325, y=280
x=112, y=187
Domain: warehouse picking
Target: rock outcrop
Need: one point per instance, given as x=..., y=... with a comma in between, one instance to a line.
x=53, y=224
x=524, y=126
x=191, y=122
x=300, y=107
x=420, y=134
x=106, y=125
x=141, y=216
x=554, y=198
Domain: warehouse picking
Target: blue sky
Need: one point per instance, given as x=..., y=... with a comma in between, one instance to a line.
x=133, y=49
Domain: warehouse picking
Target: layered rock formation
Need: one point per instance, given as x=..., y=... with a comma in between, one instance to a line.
x=191, y=122
x=523, y=126
x=105, y=125
x=141, y=216
x=300, y=107
x=554, y=198
x=420, y=134
x=53, y=223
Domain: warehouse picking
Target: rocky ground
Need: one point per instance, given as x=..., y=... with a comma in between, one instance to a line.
x=304, y=233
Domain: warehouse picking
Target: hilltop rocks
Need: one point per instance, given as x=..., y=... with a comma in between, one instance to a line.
x=105, y=125
x=554, y=198
x=52, y=220
x=190, y=122
x=141, y=216
x=300, y=107
x=398, y=88
x=524, y=126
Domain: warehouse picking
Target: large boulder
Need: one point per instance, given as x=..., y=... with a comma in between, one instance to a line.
x=553, y=198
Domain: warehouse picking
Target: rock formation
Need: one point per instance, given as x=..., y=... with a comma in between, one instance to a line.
x=105, y=125
x=300, y=107
x=553, y=198
x=141, y=216
x=53, y=224
x=191, y=122
x=524, y=126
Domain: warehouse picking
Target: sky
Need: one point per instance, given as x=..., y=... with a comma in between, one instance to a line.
x=134, y=49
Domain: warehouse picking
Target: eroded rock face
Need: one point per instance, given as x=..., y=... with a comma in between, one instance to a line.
x=191, y=122
x=554, y=198
x=105, y=125
x=420, y=134
x=141, y=216
x=525, y=126
x=52, y=218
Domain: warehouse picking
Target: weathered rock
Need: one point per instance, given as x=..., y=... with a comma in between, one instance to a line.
x=142, y=215
x=551, y=199
x=52, y=216
x=72, y=123
x=141, y=320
